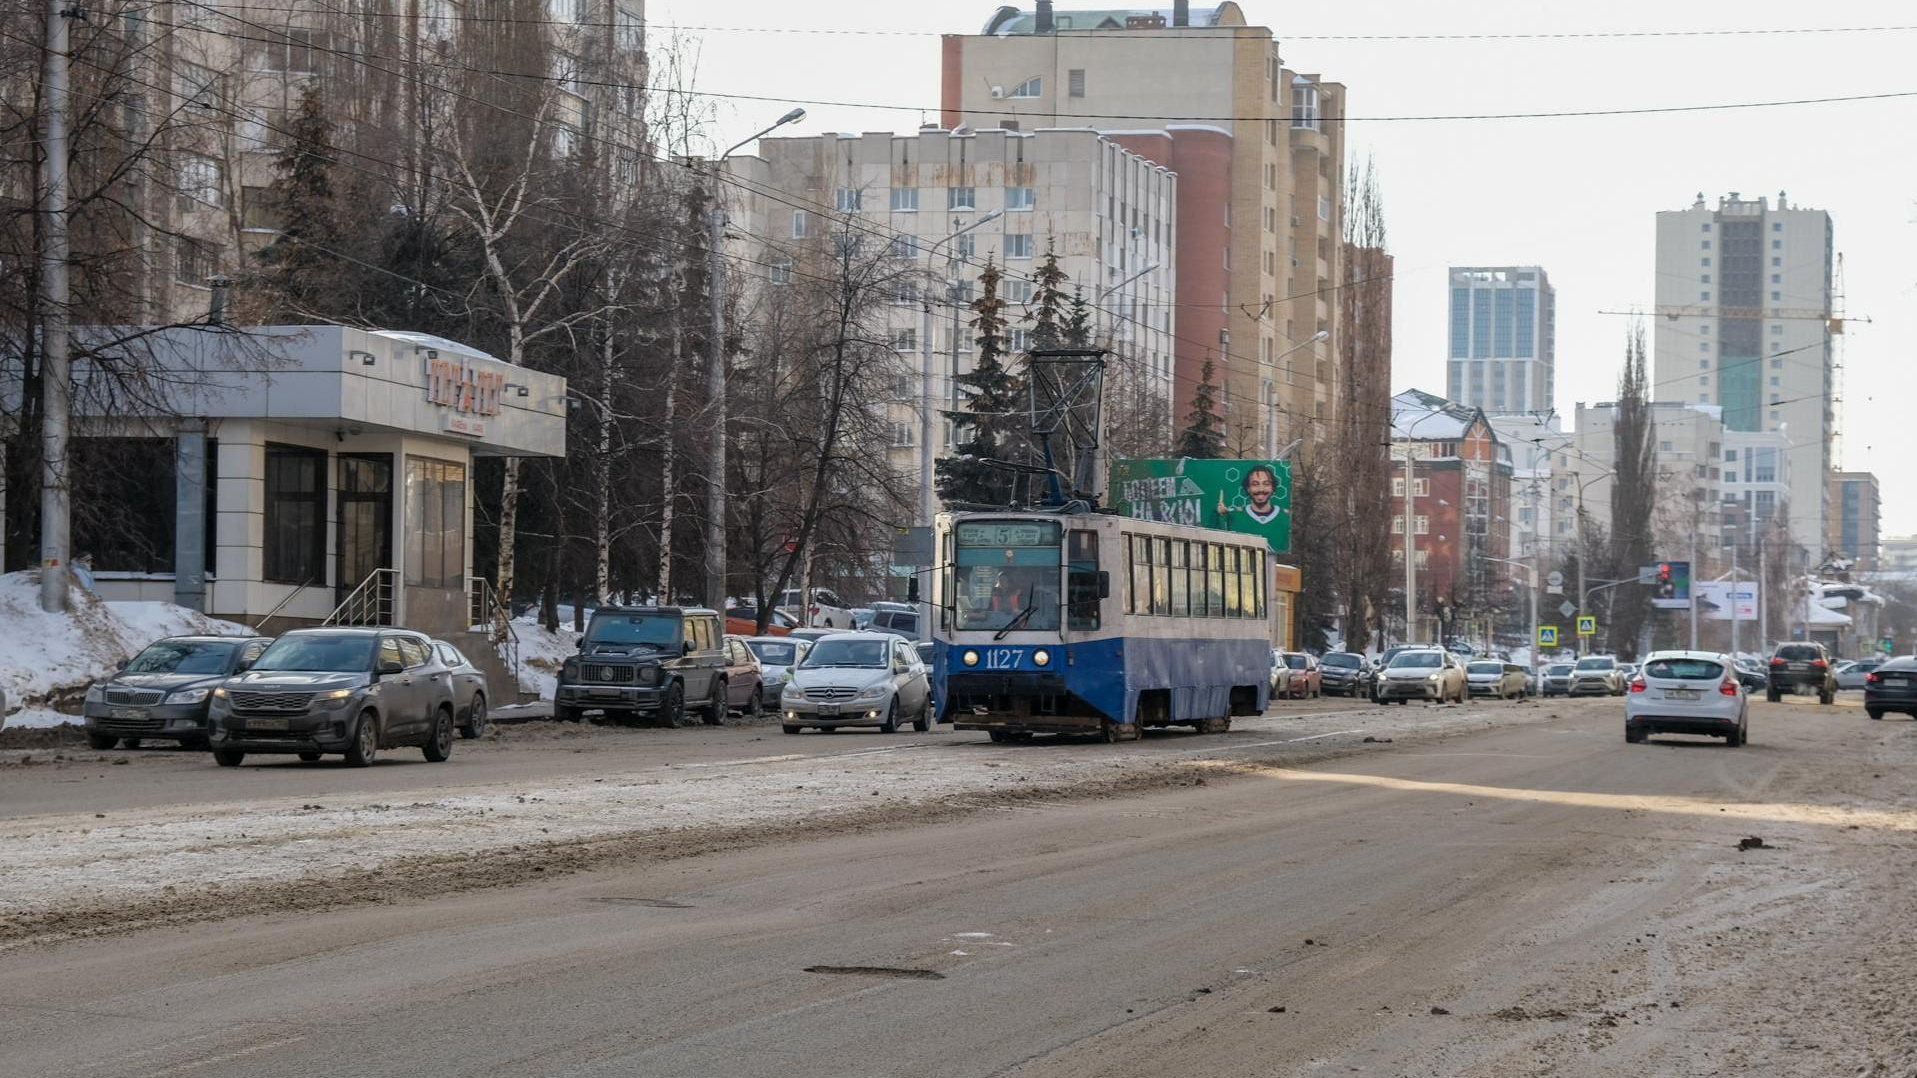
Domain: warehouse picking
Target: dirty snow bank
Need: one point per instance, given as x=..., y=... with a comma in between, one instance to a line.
x=45, y=656
x=540, y=654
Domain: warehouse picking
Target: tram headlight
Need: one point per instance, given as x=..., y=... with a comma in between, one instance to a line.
x=1041, y=657
x=970, y=658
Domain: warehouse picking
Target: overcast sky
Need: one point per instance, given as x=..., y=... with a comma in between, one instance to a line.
x=1574, y=195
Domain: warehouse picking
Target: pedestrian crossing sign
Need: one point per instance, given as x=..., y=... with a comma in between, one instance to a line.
x=1587, y=626
x=1547, y=636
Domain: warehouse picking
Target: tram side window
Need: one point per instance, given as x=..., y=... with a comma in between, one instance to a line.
x=1258, y=580
x=1231, y=581
x=1161, y=577
x=1214, y=581
x=1081, y=581
x=1180, y=579
x=948, y=583
x=1141, y=589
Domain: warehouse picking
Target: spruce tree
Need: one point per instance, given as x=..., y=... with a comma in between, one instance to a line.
x=1049, y=303
x=1203, y=437
x=301, y=271
x=992, y=424
x=1078, y=322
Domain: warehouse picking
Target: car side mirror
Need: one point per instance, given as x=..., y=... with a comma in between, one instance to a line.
x=121, y=665
x=390, y=667
x=244, y=666
x=686, y=648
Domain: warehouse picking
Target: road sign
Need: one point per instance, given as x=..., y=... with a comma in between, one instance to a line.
x=1587, y=626
x=1556, y=580
x=1567, y=608
x=1547, y=636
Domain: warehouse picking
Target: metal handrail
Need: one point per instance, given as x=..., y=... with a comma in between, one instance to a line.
x=486, y=608
x=275, y=612
x=369, y=604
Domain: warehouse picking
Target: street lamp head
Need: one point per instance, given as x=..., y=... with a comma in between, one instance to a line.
x=1321, y=335
x=791, y=117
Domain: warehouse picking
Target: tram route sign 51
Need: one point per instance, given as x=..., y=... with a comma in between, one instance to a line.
x=1250, y=496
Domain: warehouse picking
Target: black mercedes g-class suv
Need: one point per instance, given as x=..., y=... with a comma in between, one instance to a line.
x=646, y=661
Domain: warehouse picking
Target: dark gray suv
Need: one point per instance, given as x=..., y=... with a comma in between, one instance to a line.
x=650, y=660
x=346, y=691
x=163, y=692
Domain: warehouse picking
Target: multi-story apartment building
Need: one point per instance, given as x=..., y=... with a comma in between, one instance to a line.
x=1687, y=513
x=206, y=94
x=1503, y=339
x=1539, y=448
x=1053, y=191
x=1461, y=505
x=1899, y=554
x=1744, y=299
x=1259, y=150
x=1854, y=505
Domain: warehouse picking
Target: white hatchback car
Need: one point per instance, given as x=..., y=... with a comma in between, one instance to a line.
x=1687, y=692
x=858, y=679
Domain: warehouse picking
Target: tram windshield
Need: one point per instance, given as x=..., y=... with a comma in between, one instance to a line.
x=1006, y=573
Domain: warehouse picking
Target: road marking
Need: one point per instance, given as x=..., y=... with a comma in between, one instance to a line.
x=1266, y=744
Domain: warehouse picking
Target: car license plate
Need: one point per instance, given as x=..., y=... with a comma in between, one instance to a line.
x=127, y=713
x=266, y=724
x=1893, y=679
x=1682, y=694
x=828, y=709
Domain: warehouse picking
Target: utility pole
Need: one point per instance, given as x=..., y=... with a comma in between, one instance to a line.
x=1410, y=559
x=716, y=387
x=55, y=375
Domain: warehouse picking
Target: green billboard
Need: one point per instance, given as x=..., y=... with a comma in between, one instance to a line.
x=1250, y=496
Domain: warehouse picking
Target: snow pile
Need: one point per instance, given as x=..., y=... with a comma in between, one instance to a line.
x=540, y=654
x=47, y=656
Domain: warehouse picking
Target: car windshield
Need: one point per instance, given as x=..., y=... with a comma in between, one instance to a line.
x=1340, y=658
x=774, y=652
x=1597, y=664
x=1559, y=670
x=320, y=652
x=1684, y=669
x=1798, y=652
x=1296, y=662
x=1418, y=660
x=848, y=653
x=656, y=630
x=1486, y=668
x=183, y=657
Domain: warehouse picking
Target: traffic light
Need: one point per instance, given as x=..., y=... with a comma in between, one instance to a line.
x=1664, y=572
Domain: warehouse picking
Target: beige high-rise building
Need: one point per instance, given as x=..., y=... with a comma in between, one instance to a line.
x=1014, y=196
x=1259, y=156
x=1855, y=507
x=1688, y=511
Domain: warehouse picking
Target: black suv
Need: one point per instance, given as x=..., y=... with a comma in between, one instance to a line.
x=348, y=691
x=163, y=692
x=1799, y=668
x=649, y=660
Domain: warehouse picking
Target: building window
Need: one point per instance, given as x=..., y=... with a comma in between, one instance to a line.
x=781, y=271
x=1776, y=261
x=198, y=180
x=1707, y=227
x=1075, y=82
x=849, y=199
x=1704, y=296
x=903, y=247
x=1777, y=226
x=1018, y=245
x=1706, y=278
x=629, y=169
x=961, y=198
x=631, y=27
x=1777, y=245
x=1704, y=262
x=1304, y=106
x=1777, y=331
x=435, y=523
x=1776, y=297
x=1707, y=245
x=192, y=261
x=1020, y=198
x=1031, y=87
x=196, y=87
x=295, y=540
x=967, y=247
x=905, y=340
x=801, y=225
x=1016, y=290
x=905, y=199
x=290, y=49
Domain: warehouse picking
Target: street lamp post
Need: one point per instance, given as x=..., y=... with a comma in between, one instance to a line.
x=716, y=373
x=928, y=500
x=1271, y=421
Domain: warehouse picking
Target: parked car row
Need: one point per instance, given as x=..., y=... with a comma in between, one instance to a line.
x=310, y=692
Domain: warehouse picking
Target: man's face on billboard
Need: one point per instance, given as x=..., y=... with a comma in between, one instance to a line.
x=1259, y=486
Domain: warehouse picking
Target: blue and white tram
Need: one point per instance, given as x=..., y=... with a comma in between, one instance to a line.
x=1091, y=623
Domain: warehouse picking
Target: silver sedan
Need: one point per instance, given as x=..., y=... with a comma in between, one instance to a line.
x=1687, y=692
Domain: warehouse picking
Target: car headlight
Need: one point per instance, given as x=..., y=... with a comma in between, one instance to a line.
x=1041, y=657
x=873, y=692
x=648, y=675
x=970, y=658
x=219, y=693
x=1433, y=677
x=189, y=696
x=333, y=698
x=792, y=694
x=569, y=670
x=95, y=694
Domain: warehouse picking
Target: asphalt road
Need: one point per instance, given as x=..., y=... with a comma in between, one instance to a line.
x=1536, y=900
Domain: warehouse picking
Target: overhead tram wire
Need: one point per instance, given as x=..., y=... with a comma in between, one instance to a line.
x=1195, y=32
